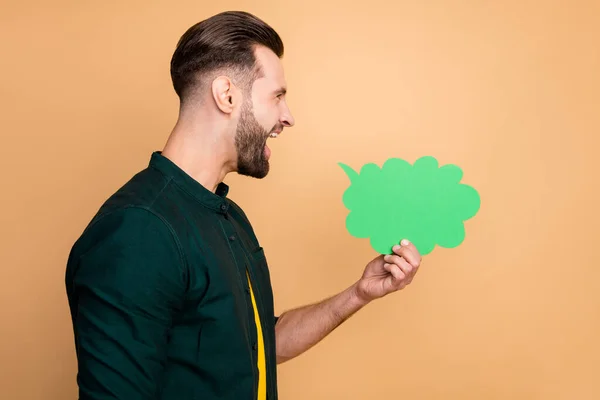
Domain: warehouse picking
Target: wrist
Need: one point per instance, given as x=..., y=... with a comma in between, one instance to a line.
x=357, y=296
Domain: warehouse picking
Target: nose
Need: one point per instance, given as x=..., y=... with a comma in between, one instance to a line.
x=287, y=119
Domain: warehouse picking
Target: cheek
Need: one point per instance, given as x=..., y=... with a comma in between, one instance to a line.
x=267, y=116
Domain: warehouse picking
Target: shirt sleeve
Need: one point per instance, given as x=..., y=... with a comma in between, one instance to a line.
x=126, y=289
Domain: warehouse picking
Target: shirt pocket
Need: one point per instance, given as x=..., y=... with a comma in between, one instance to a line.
x=260, y=269
x=258, y=255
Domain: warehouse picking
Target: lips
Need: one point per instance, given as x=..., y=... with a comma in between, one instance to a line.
x=273, y=135
x=276, y=131
x=267, y=152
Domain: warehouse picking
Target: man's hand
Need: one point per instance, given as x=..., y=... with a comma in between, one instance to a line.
x=299, y=329
x=389, y=273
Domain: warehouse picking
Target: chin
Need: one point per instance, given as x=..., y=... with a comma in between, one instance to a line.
x=261, y=175
x=257, y=174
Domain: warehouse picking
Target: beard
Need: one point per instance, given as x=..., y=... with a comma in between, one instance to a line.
x=250, y=141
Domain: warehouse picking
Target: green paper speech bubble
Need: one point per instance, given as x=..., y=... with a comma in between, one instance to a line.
x=423, y=203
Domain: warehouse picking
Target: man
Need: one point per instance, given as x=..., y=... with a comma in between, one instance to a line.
x=168, y=286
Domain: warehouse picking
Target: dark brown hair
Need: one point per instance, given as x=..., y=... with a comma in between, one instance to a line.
x=225, y=40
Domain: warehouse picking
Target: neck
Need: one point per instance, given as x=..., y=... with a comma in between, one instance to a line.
x=200, y=146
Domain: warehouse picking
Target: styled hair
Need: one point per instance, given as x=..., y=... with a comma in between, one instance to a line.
x=224, y=41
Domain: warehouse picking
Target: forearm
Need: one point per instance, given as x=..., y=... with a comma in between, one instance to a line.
x=300, y=329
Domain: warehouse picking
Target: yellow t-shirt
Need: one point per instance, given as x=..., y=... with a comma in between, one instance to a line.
x=262, y=379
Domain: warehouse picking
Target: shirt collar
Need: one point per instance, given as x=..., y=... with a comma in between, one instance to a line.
x=215, y=201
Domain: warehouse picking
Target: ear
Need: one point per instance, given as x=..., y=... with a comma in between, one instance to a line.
x=223, y=92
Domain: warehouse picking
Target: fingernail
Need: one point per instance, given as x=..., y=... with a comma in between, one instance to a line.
x=404, y=242
x=386, y=258
x=396, y=247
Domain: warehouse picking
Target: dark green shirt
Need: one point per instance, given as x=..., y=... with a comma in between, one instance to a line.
x=159, y=297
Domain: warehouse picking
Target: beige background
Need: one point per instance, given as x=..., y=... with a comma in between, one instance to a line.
x=509, y=91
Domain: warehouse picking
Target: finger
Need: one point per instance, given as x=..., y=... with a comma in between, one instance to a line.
x=400, y=262
x=399, y=254
x=413, y=249
x=408, y=269
x=395, y=271
x=408, y=252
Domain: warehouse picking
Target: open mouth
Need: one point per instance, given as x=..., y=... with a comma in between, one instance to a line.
x=267, y=150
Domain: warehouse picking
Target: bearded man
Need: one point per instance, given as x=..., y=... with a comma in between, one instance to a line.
x=168, y=286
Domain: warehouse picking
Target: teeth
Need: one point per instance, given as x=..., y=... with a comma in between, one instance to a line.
x=274, y=134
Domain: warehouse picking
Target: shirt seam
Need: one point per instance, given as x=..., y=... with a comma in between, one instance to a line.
x=148, y=208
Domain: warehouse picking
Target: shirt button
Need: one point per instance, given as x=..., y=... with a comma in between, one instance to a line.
x=223, y=207
x=232, y=238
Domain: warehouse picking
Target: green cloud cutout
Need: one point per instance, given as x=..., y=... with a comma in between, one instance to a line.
x=423, y=203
